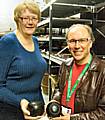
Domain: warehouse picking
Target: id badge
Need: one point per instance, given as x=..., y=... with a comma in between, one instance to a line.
x=66, y=110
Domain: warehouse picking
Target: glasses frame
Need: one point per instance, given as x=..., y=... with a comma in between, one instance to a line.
x=81, y=41
x=28, y=19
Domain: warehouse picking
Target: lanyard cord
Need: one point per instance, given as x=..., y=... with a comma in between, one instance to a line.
x=71, y=91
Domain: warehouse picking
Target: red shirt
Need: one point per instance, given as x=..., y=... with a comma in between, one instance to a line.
x=76, y=70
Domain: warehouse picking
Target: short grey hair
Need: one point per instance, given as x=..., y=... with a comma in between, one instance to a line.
x=87, y=27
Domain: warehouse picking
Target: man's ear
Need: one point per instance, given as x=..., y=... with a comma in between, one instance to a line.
x=91, y=43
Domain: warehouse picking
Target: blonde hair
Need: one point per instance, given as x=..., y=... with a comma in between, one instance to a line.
x=31, y=6
x=87, y=27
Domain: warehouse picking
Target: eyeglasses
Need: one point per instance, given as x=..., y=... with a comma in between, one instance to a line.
x=27, y=19
x=81, y=41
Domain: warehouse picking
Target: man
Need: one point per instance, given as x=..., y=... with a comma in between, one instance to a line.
x=82, y=79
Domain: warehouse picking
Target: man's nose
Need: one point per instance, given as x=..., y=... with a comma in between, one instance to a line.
x=77, y=44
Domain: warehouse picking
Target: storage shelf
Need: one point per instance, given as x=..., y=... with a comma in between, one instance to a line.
x=61, y=7
x=66, y=22
x=57, y=14
x=53, y=58
x=53, y=38
x=82, y=2
x=62, y=11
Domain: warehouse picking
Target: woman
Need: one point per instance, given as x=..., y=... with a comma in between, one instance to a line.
x=21, y=65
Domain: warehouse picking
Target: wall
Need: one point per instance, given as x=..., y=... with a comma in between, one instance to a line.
x=6, y=14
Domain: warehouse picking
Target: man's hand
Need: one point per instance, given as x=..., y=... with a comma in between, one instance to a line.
x=66, y=117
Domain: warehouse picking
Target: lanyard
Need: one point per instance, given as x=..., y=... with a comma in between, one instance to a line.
x=70, y=91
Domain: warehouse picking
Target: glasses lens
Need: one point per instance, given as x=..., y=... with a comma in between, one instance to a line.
x=80, y=41
x=83, y=40
x=27, y=19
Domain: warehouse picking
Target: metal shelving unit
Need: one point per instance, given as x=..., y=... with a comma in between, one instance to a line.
x=55, y=59
x=56, y=14
x=65, y=22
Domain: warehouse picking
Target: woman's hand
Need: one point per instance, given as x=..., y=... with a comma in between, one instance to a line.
x=24, y=105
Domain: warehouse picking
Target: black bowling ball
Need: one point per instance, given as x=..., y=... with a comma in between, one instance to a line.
x=36, y=108
x=53, y=109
